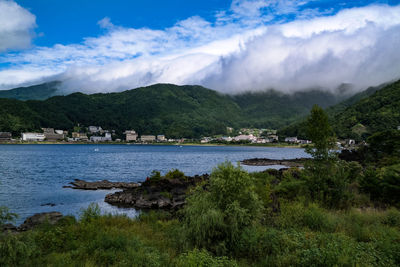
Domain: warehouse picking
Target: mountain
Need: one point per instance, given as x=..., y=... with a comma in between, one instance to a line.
x=172, y=110
x=35, y=92
x=176, y=111
x=373, y=110
x=272, y=109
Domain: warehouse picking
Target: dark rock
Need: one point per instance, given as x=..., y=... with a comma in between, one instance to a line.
x=156, y=193
x=40, y=218
x=104, y=184
x=298, y=162
x=8, y=227
x=48, y=204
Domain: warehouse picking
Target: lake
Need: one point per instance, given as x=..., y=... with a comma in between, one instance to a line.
x=32, y=176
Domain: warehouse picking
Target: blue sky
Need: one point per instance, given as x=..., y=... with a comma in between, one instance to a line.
x=230, y=46
x=70, y=21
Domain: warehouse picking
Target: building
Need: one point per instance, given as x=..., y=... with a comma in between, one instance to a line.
x=398, y=128
x=106, y=138
x=52, y=135
x=5, y=136
x=95, y=129
x=33, y=137
x=131, y=135
x=273, y=138
x=161, y=137
x=291, y=140
x=79, y=136
x=148, y=138
x=244, y=137
x=304, y=142
x=96, y=138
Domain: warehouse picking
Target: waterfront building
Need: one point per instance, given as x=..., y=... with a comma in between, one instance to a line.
x=148, y=138
x=33, y=137
x=131, y=135
x=5, y=136
x=291, y=140
x=161, y=137
x=51, y=135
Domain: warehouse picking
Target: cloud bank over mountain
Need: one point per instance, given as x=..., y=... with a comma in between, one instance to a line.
x=252, y=46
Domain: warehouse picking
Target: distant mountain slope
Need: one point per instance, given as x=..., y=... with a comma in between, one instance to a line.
x=375, y=109
x=176, y=111
x=272, y=109
x=378, y=112
x=35, y=92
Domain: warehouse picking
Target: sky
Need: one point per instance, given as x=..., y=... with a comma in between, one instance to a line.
x=229, y=46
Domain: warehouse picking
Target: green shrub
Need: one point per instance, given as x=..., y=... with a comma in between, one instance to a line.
x=202, y=258
x=91, y=213
x=175, y=174
x=6, y=215
x=214, y=219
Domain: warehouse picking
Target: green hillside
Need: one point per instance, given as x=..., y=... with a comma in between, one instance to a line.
x=35, y=92
x=378, y=112
x=373, y=110
x=176, y=111
x=272, y=109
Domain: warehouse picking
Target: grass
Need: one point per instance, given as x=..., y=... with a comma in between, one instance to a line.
x=302, y=235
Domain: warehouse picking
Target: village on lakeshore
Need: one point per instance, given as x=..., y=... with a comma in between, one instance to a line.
x=96, y=134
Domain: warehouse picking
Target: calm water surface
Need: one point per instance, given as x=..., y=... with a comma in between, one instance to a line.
x=33, y=175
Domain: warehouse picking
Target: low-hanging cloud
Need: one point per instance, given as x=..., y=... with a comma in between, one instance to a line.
x=235, y=53
x=16, y=25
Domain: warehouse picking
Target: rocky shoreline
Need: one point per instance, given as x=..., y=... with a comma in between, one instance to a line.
x=297, y=162
x=104, y=184
x=156, y=194
x=32, y=222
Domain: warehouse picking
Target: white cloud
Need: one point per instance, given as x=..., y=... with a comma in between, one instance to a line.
x=237, y=52
x=16, y=25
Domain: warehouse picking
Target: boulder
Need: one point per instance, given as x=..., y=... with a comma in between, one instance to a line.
x=40, y=218
x=156, y=194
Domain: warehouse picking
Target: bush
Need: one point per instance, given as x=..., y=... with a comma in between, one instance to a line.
x=6, y=215
x=175, y=174
x=202, y=258
x=214, y=219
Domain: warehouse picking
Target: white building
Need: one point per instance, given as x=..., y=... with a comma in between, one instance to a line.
x=291, y=139
x=33, y=137
x=244, y=137
x=131, y=135
x=95, y=129
x=161, y=137
x=148, y=138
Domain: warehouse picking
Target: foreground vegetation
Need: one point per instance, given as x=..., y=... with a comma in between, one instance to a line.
x=331, y=213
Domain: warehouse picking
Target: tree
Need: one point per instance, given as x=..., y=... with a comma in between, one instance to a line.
x=321, y=134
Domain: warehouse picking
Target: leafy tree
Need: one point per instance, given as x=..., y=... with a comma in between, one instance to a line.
x=321, y=134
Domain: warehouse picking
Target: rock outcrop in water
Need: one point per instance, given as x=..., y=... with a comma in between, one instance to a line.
x=298, y=162
x=156, y=193
x=104, y=184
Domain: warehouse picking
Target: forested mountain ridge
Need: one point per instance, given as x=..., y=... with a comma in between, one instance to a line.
x=188, y=111
x=176, y=111
x=34, y=92
x=373, y=110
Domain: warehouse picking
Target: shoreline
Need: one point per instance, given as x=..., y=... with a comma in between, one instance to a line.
x=280, y=145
